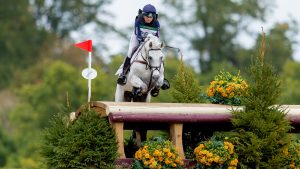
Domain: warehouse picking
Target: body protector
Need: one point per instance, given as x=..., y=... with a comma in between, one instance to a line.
x=141, y=31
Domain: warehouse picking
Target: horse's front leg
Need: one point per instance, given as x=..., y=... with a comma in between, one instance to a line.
x=160, y=81
x=155, y=91
x=138, y=85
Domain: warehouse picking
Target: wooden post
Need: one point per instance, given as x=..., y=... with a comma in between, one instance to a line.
x=118, y=126
x=176, y=135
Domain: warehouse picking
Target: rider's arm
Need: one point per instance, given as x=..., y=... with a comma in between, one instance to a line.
x=138, y=32
x=158, y=29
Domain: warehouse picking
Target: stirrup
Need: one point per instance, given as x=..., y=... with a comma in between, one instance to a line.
x=122, y=80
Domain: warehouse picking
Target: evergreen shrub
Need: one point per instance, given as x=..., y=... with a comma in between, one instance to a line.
x=262, y=128
x=88, y=142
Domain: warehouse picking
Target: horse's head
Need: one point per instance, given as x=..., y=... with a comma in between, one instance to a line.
x=154, y=55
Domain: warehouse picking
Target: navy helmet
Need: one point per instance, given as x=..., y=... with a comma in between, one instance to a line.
x=149, y=10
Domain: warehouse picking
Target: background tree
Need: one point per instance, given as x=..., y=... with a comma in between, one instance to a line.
x=280, y=39
x=20, y=39
x=214, y=26
x=61, y=17
x=185, y=86
x=290, y=83
x=262, y=128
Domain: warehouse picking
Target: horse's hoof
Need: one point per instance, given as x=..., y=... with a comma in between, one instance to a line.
x=154, y=92
x=166, y=85
x=122, y=80
x=137, y=91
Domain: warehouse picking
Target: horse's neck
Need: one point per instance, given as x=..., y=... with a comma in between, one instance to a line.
x=140, y=53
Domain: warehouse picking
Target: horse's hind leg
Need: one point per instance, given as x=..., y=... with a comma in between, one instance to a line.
x=140, y=135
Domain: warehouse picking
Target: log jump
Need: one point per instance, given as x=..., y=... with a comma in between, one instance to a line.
x=171, y=116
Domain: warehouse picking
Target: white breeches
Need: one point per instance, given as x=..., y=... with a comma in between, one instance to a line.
x=134, y=43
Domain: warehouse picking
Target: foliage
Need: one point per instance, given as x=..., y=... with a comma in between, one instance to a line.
x=62, y=17
x=6, y=145
x=261, y=128
x=280, y=38
x=59, y=81
x=292, y=153
x=226, y=89
x=216, y=154
x=280, y=41
x=20, y=40
x=207, y=77
x=171, y=66
x=291, y=82
x=185, y=89
x=26, y=136
x=157, y=154
x=216, y=40
x=88, y=142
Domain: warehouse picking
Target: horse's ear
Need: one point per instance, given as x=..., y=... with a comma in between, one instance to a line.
x=162, y=44
x=150, y=44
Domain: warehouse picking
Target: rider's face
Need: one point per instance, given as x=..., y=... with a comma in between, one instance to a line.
x=148, y=19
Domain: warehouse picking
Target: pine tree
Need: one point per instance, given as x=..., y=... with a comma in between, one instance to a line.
x=89, y=142
x=186, y=89
x=261, y=128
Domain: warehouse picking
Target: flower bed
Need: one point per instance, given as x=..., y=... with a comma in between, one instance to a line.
x=215, y=154
x=157, y=154
x=226, y=89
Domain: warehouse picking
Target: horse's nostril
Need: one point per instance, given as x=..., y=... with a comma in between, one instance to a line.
x=155, y=77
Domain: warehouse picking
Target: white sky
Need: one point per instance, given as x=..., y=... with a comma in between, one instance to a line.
x=125, y=12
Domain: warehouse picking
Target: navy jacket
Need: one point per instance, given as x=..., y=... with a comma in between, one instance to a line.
x=142, y=29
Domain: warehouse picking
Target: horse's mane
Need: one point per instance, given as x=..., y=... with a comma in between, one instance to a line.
x=156, y=42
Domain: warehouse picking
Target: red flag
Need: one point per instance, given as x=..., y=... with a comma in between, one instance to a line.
x=86, y=45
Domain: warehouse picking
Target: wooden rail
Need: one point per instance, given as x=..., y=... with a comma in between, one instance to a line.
x=144, y=116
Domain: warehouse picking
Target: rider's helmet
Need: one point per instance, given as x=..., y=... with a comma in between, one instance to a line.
x=149, y=10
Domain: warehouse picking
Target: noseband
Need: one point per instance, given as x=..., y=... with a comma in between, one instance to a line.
x=146, y=62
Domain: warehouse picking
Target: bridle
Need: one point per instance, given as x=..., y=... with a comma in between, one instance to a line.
x=146, y=62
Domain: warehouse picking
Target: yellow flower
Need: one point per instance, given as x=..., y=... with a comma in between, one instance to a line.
x=156, y=153
x=216, y=159
x=292, y=165
x=138, y=155
x=167, y=161
x=153, y=164
x=234, y=162
x=146, y=163
x=166, y=150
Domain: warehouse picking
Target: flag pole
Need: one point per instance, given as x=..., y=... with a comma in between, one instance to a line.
x=89, y=80
x=88, y=73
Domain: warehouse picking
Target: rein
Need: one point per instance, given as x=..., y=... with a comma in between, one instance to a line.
x=146, y=62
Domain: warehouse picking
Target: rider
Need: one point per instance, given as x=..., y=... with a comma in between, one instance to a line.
x=146, y=22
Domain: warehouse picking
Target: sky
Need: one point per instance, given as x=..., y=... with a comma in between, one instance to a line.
x=125, y=13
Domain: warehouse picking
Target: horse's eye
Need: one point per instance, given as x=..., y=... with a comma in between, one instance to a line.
x=150, y=58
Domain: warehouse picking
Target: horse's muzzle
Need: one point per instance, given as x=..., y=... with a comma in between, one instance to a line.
x=155, y=75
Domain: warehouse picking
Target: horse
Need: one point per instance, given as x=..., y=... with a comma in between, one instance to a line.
x=146, y=73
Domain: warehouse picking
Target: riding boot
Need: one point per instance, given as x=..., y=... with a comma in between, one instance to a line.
x=122, y=78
